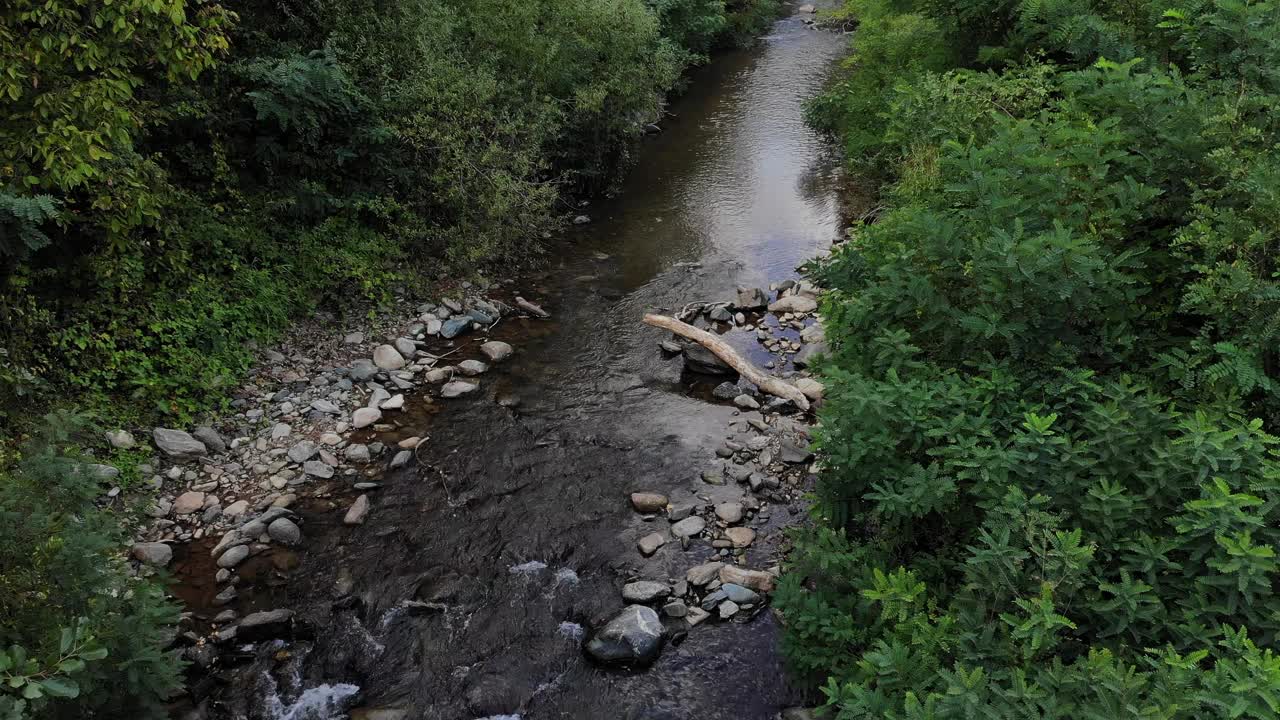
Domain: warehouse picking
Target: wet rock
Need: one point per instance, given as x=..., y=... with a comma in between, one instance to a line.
x=156, y=554
x=680, y=511
x=751, y=299
x=700, y=575
x=228, y=595
x=233, y=556
x=632, y=636
x=496, y=351
x=284, y=531
x=388, y=358
x=696, y=615
x=726, y=391
x=377, y=397
x=738, y=594
x=793, y=452
x=266, y=625
x=720, y=314
x=746, y=402
x=438, y=375
x=406, y=348
x=730, y=512
x=740, y=536
x=364, y=417
x=650, y=543
x=728, y=609
x=753, y=579
x=357, y=453
x=453, y=327
x=794, y=304
x=701, y=360
x=177, y=443
x=645, y=591
x=458, y=388
x=210, y=438
x=188, y=502
x=670, y=346
x=358, y=511
x=401, y=459
x=648, y=502
x=395, y=402
x=688, y=527
x=675, y=609
x=531, y=308
x=303, y=451
x=471, y=368
x=121, y=439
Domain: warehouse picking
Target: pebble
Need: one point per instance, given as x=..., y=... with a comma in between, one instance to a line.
x=316, y=468
x=730, y=512
x=688, y=527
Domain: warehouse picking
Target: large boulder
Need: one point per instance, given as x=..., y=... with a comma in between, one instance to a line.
x=633, y=636
x=177, y=443
x=701, y=360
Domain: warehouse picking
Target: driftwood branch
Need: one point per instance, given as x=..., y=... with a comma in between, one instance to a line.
x=772, y=385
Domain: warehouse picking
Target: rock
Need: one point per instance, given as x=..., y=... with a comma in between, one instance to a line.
x=284, y=531
x=794, y=304
x=701, y=360
x=675, y=609
x=362, y=370
x=688, y=527
x=409, y=443
x=740, y=536
x=700, y=575
x=357, y=453
x=100, y=472
x=388, y=358
x=811, y=388
x=738, y=594
x=730, y=512
x=325, y=406
x=496, y=351
x=531, y=308
x=805, y=357
x=401, y=459
x=458, y=388
x=793, y=452
x=751, y=299
x=265, y=625
x=156, y=554
x=645, y=591
x=696, y=615
x=807, y=8
x=726, y=391
x=438, y=375
x=357, y=512
x=746, y=402
x=395, y=402
x=210, y=438
x=364, y=417
x=728, y=609
x=121, y=439
x=650, y=543
x=754, y=579
x=188, y=503
x=632, y=636
x=377, y=397
x=670, y=346
x=176, y=443
x=648, y=502
x=316, y=468
x=680, y=511
x=720, y=314
x=405, y=347
x=453, y=327
x=797, y=713
x=472, y=368
x=233, y=556
x=303, y=451
x=354, y=338
x=236, y=509
x=280, y=431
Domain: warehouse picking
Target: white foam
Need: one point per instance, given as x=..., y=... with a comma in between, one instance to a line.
x=571, y=630
x=323, y=702
x=528, y=568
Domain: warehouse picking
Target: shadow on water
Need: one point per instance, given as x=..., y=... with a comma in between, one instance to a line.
x=481, y=563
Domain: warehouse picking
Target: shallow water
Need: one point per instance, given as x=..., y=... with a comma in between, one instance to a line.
x=515, y=522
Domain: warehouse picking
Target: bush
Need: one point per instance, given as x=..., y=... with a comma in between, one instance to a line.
x=1051, y=475
x=79, y=637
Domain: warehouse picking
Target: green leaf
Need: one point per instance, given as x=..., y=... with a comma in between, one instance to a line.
x=60, y=687
x=64, y=643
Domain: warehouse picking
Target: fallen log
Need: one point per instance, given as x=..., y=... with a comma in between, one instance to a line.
x=772, y=385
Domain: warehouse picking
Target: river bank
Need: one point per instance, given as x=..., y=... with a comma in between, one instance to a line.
x=466, y=581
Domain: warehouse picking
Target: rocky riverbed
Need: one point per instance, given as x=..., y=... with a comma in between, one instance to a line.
x=515, y=499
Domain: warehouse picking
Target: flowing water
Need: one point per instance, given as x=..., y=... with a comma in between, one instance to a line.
x=482, y=563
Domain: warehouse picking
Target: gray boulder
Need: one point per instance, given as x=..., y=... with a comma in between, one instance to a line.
x=211, y=439
x=633, y=636
x=453, y=327
x=177, y=443
x=284, y=531
x=152, y=553
x=751, y=299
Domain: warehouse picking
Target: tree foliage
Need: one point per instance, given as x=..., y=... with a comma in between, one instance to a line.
x=1051, y=482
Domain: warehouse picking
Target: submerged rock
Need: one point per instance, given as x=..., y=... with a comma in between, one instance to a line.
x=632, y=636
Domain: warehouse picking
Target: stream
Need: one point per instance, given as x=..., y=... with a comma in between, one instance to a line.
x=467, y=592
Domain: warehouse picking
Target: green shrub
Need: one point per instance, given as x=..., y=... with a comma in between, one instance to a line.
x=1050, y=486
x=79, y=637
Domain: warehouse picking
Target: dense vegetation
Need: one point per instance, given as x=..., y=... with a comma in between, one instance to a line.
x=1052, y=486
x=177, y=180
